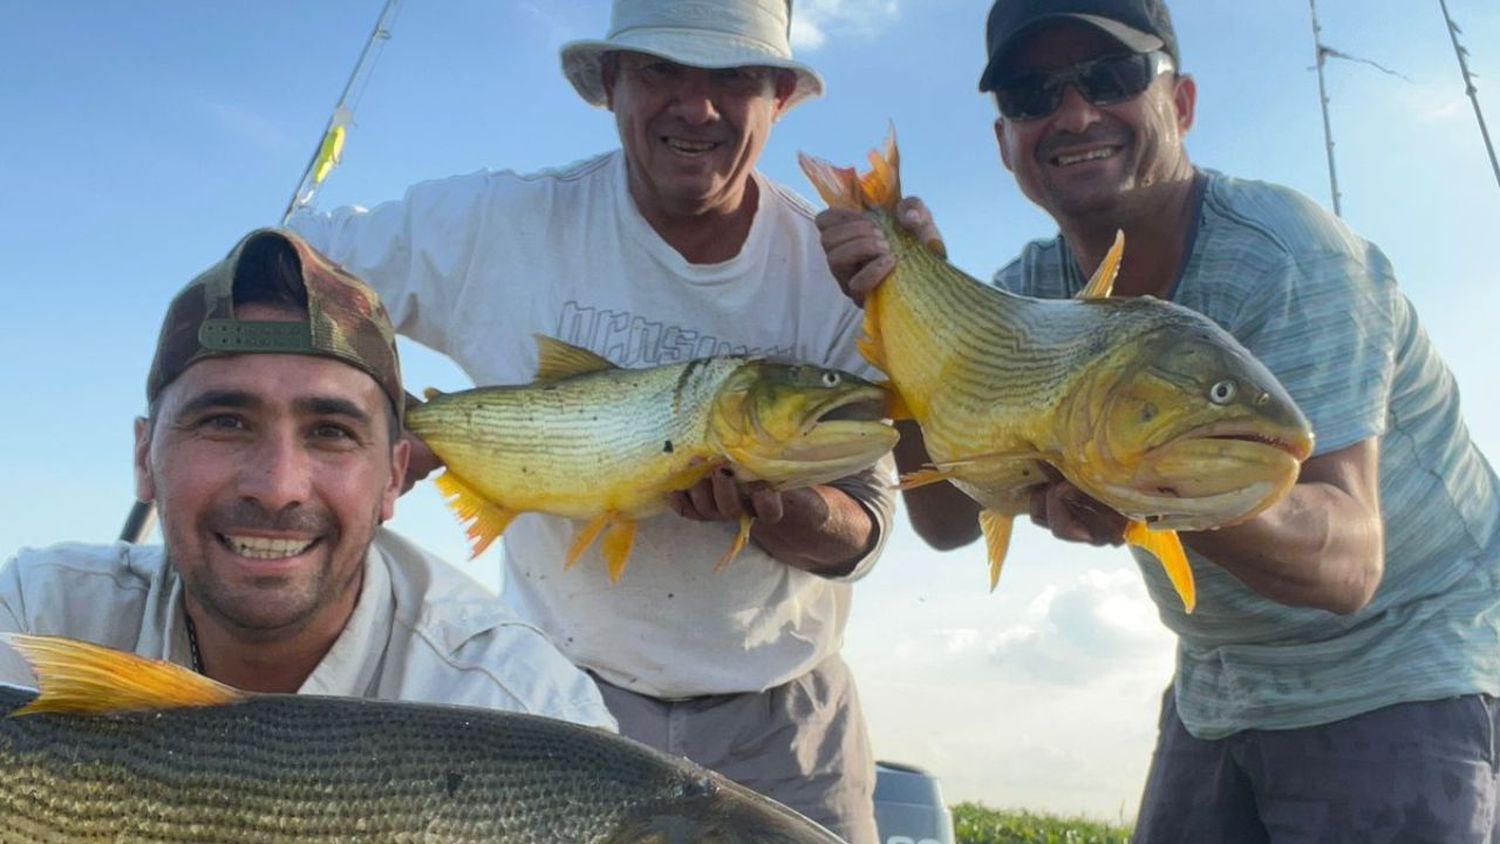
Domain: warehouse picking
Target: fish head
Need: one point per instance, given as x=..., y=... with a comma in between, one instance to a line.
x=796, y=425
x=1187, y=430
x=709, y=809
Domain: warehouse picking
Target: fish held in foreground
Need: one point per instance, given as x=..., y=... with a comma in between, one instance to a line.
x=591, y=441
x=1149, y=407
x=121, y=748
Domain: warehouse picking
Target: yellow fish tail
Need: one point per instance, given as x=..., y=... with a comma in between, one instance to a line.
x=1167, y=547
x=80, y=678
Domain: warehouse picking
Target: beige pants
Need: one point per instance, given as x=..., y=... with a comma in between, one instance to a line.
x=803, y=743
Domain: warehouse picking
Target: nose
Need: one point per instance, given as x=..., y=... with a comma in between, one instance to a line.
x=278, y=475
x=694, y=100
x=1075, y=113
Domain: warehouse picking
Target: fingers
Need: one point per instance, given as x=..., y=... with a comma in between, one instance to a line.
x=858, y=255
x=914, y=217
x=719, y=498
x=1073, y=516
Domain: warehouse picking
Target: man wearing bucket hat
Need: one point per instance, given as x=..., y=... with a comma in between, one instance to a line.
x=670, y=248
x=272, y=449
x=1337, y=680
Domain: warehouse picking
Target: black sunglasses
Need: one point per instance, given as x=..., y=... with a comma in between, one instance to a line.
x=1102, y=81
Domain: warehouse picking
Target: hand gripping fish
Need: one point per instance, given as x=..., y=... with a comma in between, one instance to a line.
x=121, y=748
x=591, y=441
x=1149, y=407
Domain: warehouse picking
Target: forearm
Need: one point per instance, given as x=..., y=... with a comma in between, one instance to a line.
x=1318, y=547
x=823, y=530
x=942, y=515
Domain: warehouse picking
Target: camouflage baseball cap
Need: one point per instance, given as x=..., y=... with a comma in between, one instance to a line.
x=345, y=319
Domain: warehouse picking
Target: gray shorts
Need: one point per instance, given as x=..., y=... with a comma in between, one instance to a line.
x=802, y=743
x=1409, y=773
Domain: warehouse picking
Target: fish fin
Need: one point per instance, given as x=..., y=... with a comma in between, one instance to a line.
x=881, y=187
x=896, y=408
x=431, y=393
x=839, y=186
x=1103, y=281
x=746, y=520
x=616, y=545
x=83, y=679
x=485, y=519
x=928, y=475
x=1166, y=546
x=557, y=360
x=586, y=536
x=996, y=527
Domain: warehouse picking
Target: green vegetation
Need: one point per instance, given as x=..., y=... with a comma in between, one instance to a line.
x=974, y=823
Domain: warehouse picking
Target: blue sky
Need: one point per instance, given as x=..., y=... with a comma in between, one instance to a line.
x=142, y=140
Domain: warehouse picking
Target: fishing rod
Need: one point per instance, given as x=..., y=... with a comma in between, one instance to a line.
x=1473, y=92
x=1333, y=178
x=325, y=157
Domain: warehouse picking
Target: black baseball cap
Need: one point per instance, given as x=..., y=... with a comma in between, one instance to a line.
x=1140, y=25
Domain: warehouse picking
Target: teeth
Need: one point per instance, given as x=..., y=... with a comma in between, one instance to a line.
x=258, y=548
x=1093, y=155
x=689, y=146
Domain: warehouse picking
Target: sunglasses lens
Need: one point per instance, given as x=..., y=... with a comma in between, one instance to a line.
x=1114, y=80
x=1028, y=97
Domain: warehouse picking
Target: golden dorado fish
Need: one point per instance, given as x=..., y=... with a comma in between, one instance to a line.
x=591, y=441
x=1149, y=407
x=121, y=748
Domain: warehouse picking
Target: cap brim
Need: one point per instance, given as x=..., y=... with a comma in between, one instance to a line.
x=1133, y=39
x=582, y=61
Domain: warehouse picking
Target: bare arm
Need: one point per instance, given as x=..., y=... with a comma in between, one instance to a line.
x=1323, y=545
x=943, y=516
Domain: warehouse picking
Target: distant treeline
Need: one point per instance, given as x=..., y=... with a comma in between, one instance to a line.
x=974, y=823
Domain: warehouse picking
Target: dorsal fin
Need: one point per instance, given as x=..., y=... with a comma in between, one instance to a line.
x=83, y=679
x=557, y=360
x=431, y=393
x=1103, y=282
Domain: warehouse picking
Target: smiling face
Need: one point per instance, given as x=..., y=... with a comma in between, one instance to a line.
x=1083, y=162
x=271, y=473
x=691, y=135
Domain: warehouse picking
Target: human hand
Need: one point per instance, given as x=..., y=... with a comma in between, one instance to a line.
x=859, y=256
x=720, y=498
x=1070, y=514
x=421, y=463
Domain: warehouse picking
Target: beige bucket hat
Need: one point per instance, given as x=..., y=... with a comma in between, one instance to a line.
x=698, y=33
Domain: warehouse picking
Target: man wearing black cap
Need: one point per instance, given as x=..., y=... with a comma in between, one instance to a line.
x=272, y=449
x=1336, y=682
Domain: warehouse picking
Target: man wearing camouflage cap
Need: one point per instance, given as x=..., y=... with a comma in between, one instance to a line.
x=272, y=450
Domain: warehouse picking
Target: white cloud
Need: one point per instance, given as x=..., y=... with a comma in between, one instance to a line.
x=814, y=20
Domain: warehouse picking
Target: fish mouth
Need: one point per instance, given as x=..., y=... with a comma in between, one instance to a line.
x=853, y=409
x=1298, y=444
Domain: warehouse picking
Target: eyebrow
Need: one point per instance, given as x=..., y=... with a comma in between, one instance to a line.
x=307, y=406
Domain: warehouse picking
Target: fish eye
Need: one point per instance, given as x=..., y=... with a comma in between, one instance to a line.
x=1223, y=391
x=831, y=379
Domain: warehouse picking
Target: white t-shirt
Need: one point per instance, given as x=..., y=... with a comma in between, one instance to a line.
x=473, y=265
x=420, y=631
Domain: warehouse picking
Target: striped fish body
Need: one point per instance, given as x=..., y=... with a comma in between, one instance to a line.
x=1149, y=407
x=605, y=445
x=289, y=768
x=615, y=440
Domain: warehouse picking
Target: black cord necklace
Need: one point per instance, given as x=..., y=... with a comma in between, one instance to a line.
x=192, y=633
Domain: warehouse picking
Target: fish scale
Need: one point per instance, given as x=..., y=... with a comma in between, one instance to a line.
x=279, y=768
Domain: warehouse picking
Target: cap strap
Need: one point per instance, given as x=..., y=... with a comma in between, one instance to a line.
x=227, y=335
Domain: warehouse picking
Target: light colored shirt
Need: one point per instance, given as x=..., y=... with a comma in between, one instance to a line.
x=473, y=266
x=1320, y=307
x=420, y=630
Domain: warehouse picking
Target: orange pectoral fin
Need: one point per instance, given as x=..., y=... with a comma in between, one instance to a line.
x=616, y=546
x=1167, y=547
x=586, y=536
x=80, y=678
x=485, y=520
x=738, y=545
x=996, y=527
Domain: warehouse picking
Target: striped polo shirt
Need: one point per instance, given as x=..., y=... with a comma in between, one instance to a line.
x=1320, y=307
